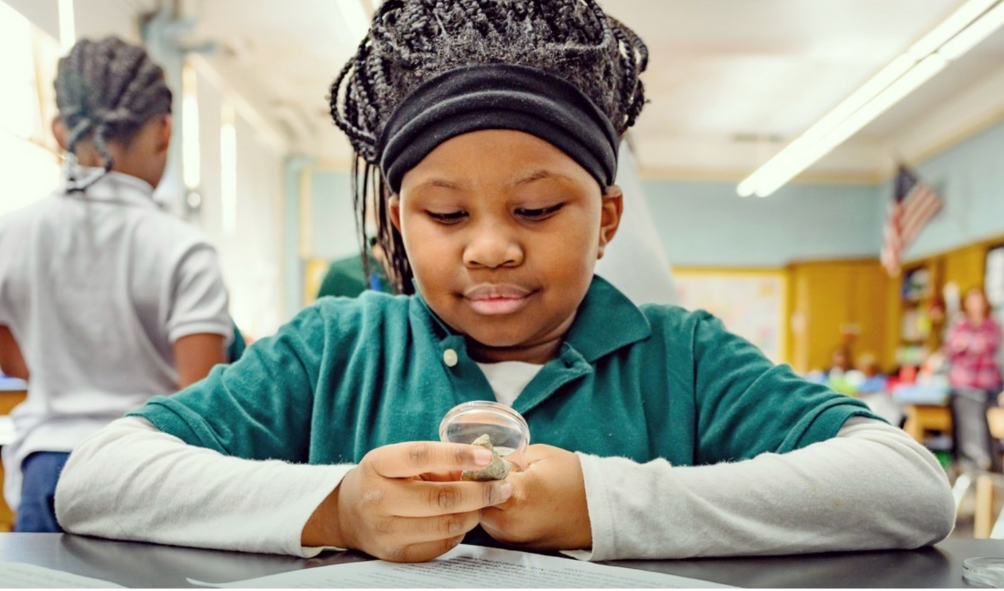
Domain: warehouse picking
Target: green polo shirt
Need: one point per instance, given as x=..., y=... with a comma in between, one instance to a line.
x=348, y=375
x=348, y=277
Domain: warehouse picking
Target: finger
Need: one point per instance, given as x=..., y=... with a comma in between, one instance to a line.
x=425, y=499
x=404, y=460
x=505, y=527
x=417, y=498
x=493, y=521
x=441, y=476
x=419, y=530
x=519, y=484
x=422, y=552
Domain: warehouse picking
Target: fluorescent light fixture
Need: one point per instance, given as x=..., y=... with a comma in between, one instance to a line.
x=228, y=169
x=884, y=78
x=912, y=80
x=917, y=76
x=190, y=153
x=950, y=27
x=959, y=33
x=794, y=150
x=969, y=38
x=67, y=29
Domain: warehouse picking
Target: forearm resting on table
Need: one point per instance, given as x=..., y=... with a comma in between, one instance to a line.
x=131, y=481
x=871, y=487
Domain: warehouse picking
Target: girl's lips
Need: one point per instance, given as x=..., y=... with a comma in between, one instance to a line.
x=498, y=306
x=492, y=300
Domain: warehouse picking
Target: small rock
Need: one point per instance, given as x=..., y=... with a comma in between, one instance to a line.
x=497, y=470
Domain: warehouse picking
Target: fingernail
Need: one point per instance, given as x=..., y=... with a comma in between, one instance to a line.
x=482, y=457
x=505, y=491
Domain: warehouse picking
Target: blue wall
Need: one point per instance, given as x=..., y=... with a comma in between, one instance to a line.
x=707, y=224
x=970, y=179
x=333, y=225
x=699, y=223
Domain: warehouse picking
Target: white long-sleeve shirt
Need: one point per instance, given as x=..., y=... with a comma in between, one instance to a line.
x=870, y=487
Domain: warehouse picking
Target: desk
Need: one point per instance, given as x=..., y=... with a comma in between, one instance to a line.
x=149, y=565
x=923, y=417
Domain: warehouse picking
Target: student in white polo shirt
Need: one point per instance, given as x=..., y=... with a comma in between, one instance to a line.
x=105, y=300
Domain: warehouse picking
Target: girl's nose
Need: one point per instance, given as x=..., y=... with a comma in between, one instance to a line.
x=491, y=246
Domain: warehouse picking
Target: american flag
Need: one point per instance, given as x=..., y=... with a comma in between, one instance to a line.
x=914, y=204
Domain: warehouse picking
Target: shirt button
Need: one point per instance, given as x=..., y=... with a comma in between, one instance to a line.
x=450, y=357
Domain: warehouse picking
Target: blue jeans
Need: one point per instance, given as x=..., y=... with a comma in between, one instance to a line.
x=37, y=511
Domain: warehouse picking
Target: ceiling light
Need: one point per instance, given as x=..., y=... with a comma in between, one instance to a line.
x=847, y=107
x=917, y=76
x=955, y=36
x=969, y=38
x=949, y=28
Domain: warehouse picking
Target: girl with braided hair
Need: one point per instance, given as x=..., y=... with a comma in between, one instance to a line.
x=105, y=300
x=486, y=133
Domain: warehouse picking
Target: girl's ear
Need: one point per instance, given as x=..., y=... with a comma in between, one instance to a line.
x=164, y=133
x=610, y=217
x=59, y=130
x=394, y=207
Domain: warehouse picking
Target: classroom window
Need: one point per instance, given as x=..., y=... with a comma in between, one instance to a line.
x=26, y=148
x=19, y=102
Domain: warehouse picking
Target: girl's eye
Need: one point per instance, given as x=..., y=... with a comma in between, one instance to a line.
x=539, y=214
x=447, y=218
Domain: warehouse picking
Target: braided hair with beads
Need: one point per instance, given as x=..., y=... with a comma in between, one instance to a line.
x=411, y=41
x=106, y=90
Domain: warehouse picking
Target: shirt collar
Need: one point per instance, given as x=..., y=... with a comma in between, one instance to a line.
x=605, y=322
x=114, y=187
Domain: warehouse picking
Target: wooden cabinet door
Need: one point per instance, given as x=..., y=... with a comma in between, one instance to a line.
x=831, y=299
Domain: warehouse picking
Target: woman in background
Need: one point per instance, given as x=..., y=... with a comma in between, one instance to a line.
x=975, y=379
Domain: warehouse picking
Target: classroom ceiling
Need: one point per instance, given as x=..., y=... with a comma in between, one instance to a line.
x=729, y=82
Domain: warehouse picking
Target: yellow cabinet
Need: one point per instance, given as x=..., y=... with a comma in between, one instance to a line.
x=834, y=303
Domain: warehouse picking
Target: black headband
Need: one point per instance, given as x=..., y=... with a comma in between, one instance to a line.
x=498, y=96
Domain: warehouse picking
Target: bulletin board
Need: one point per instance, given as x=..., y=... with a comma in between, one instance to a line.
x=751, y=304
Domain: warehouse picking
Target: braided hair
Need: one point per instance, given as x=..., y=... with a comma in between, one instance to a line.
x=106, y=90
x=411, y=41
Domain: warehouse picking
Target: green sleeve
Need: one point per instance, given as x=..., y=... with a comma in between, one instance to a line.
x=257, y=408
x=746, y=405
x=237, y=345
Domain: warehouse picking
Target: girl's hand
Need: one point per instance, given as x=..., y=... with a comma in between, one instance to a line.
x=548, y=509
x=403, y=502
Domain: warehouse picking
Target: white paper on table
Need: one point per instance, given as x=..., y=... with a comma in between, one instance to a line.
x=472, y=566
x=20, y=575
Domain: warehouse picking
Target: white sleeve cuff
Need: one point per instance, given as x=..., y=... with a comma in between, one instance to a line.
x=309, y=501
x=599, y=482
x=131, y=481
x=871, y=487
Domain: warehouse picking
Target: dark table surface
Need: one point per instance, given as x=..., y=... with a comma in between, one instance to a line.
x=135, y=564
